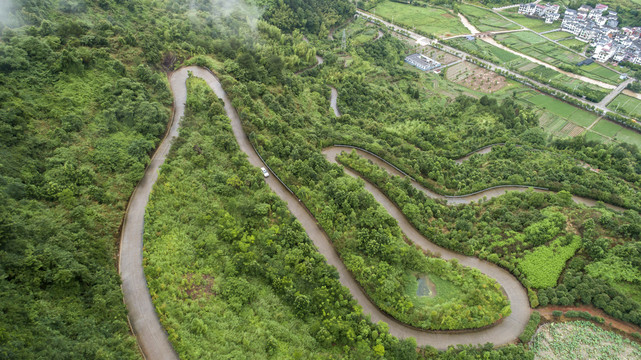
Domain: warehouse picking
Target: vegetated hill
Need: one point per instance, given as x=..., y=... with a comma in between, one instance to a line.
x=83, y=102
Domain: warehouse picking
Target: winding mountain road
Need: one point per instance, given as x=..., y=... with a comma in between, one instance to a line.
x=143, y=318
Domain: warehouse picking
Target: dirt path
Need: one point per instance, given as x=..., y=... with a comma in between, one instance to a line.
x=319, y=60
x=467, y=24
x=632, y=93
x=609, y=321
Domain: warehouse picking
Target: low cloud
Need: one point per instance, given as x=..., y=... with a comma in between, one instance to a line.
x=6, y=13
x=236, y=9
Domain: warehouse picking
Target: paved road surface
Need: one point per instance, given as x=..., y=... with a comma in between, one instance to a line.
x=333, y=101
x=606, y=100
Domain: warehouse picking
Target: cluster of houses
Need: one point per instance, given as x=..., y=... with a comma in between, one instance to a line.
x=547, y=12
x=601, y=31
x=594, y=25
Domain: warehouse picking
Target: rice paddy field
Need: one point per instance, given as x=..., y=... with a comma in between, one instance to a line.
x=540, y=48
x=581, y=340
x=626, y=105
x=557, y=117
x=426, y=19
x=485, y=20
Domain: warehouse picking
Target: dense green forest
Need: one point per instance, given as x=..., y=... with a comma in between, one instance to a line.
x=84, y=101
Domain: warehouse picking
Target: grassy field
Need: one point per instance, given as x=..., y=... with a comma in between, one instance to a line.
x=540, y=48
x=617, y=132
x=496, y=55
x=557, y=117
x=533, y=24
x=572, y=42
x=485, y=20
x=626, y=105
x=359, y=32
x=558, y=35
x=581, y=340
x=564, y=110
x=429, y=20
x=592, y=136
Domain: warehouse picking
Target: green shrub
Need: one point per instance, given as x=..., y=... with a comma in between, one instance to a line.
x=530, y=328
x=534, y=299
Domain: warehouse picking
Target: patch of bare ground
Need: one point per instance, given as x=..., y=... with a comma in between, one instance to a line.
x=571, y=130
x=197, y=286
x=439, y=55
x=475, y=77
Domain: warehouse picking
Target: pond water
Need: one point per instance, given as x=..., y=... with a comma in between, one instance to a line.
x=423, y=288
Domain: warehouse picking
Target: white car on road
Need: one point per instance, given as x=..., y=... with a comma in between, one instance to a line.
x=265, y=173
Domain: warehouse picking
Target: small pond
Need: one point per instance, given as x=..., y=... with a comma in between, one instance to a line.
x=424, y=284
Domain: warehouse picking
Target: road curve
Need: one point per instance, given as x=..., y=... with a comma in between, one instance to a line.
x=502, y=333
x=143, y=318
x=333, y=151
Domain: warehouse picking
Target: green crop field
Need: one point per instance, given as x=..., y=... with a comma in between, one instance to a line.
x=617, y=132
x=581, y=340
x=571, y=42
x=558, y=35
x=626, y=105
x=429, y=20
x=607, y=128
x=567, y=111
x=599, y=72
x=533, y=24
x=592, y=136
x=497, y=55
x=485, y=20
x=540, y=48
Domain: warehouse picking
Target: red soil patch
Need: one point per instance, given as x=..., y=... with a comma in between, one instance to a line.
x=609, y=321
